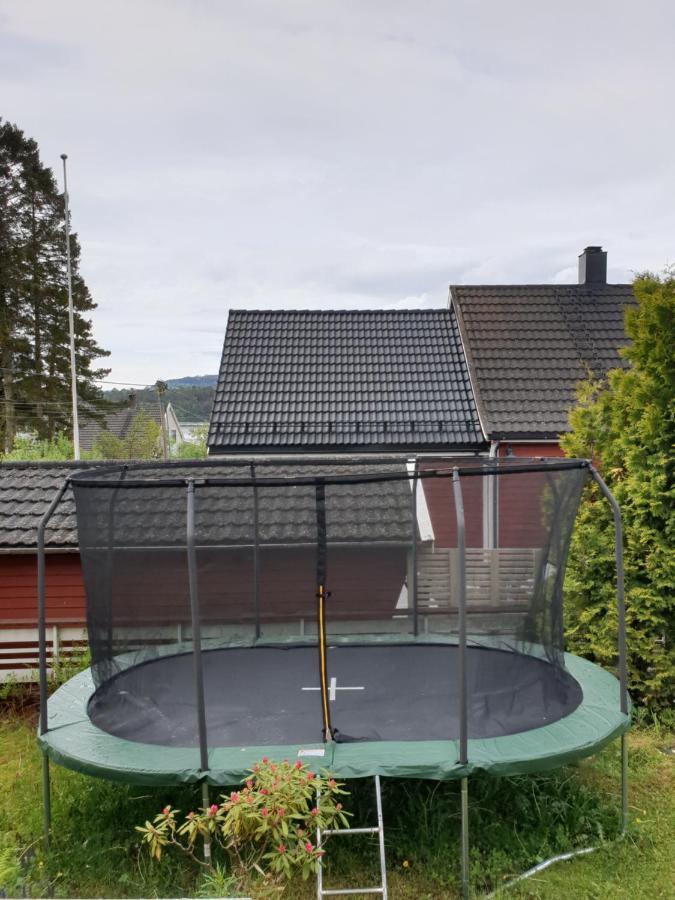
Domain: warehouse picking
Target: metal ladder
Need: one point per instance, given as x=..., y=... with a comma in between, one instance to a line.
x=322, y=892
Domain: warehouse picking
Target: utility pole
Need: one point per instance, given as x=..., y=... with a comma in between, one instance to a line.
x=71, y=318
x=161, y=387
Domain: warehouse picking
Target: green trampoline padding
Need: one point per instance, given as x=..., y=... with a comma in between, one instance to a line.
x=75, y=742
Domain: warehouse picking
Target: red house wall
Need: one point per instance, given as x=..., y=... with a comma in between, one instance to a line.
x=441, y=504
x=520, y=515
x=531, y=450
x=362, y=581
x=64, y=589
x=152, y=589
x=520, y=522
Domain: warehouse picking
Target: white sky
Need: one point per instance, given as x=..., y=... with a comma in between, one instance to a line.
x=358, y=153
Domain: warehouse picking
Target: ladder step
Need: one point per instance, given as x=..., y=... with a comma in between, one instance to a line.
x=380, y=891
x=327, y=831
x=342, y=892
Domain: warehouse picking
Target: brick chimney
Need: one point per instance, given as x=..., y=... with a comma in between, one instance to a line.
x=593, y=266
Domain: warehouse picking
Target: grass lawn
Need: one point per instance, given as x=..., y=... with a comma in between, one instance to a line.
x=515, y=822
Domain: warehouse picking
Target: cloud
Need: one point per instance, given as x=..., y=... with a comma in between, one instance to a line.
x=341, y=154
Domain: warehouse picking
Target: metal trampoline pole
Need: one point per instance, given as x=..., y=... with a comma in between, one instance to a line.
x=620, y=595
x=256, y=556
x=465, y=837
x=413, y=564
x=461, y=659
x=624, y=784
x=42, y=655
x=621, y=615
x=196, y=628
x=461, y=610
x=207, y=839
x=46, y=802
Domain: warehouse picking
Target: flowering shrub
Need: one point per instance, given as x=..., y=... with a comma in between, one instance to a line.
x=267, y=827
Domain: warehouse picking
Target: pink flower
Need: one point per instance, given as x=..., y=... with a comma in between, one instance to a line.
x=281, y=811
x=166, y=810
x=338, y=806
x=281, y=848
x=264, y=791
x=309, y=846
x=249, y=784
x=234, y=796
x=310, y=776
x=265, y=759
x=263, y=811
x=332, y=783
x=298, y=764
x=314, y=811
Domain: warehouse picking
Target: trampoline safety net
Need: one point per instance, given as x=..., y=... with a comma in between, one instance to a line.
x=322, y=600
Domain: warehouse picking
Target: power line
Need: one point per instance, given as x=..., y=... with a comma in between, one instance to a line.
x=125, y=383
x=25, y=375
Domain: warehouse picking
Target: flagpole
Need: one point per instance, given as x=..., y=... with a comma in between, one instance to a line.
x=71, y=318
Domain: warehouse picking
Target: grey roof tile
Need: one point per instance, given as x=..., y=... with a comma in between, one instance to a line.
x=362, y=511
x=117, y=422
x=336, y=380
x=26, y=490
x=528, y=346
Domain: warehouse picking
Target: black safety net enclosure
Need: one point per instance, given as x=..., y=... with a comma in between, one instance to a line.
x=232, y=604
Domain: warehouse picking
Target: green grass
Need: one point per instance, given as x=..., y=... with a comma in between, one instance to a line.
x=515, y=822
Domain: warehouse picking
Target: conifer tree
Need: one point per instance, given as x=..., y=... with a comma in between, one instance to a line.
x=34, y=337
x=627, y=425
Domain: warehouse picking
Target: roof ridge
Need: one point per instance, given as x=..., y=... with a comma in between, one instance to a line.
x=434, y=309
x=542, y=284
x=64, y=463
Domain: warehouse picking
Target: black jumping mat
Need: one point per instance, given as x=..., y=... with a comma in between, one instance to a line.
x=267, y=696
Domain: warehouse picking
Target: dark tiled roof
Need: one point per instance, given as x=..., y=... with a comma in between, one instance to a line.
x=287, y=514
x=341, y=380
x=117, y=422
x=528, y=345
x=26, y=490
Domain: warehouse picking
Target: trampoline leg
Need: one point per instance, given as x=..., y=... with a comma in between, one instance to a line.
x=624, y=784
x=46, y=802
x=465, y=838
x=207, y=839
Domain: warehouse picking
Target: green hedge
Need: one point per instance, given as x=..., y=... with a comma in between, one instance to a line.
x=627, y=424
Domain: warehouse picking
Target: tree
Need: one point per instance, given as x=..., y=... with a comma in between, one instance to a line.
x=142, y=441
x=34, y=336
x=28, y=448
x=628, y=426
x=196, y=448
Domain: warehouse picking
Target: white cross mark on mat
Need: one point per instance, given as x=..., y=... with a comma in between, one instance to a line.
x=333, y=689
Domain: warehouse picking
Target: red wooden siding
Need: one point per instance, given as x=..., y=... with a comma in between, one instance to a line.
x=440, y=502
x=531, y=450
x=520, y=498
x=361, y=581
x=152, y=589
x=18, y=589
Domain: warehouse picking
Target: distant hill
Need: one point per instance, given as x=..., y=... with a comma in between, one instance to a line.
x=191, y=397
x=193, y=381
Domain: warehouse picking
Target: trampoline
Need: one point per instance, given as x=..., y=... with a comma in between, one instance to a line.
x=389, y=617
